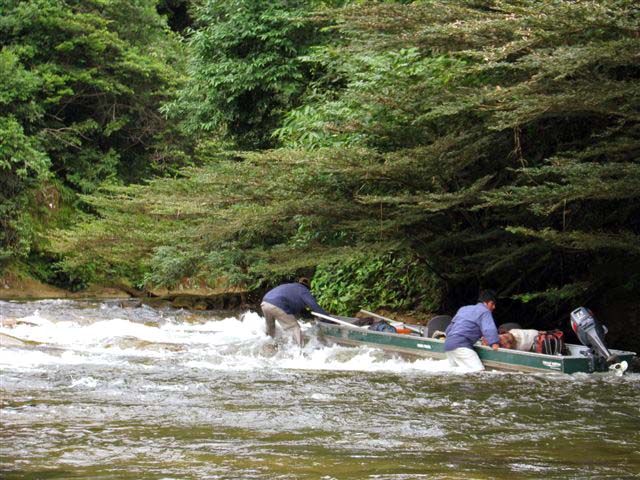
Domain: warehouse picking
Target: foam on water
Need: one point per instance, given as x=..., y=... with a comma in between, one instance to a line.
x=231, y=343
x=105, y=390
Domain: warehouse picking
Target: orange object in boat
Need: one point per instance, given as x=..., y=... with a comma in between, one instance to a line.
x=403, y=330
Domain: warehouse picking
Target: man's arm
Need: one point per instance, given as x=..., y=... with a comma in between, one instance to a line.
x=311, y=303
x=489, y=330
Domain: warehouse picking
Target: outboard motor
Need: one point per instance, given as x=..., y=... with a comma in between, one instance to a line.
x=591, y=334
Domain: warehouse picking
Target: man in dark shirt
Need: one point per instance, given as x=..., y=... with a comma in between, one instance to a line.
x=467, y=327
x=285, y=303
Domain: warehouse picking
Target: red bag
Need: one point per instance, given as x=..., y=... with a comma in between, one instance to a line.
x=550, y=343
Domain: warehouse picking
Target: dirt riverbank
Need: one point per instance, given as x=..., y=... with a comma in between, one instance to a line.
x=20, y=288
x=14, y=287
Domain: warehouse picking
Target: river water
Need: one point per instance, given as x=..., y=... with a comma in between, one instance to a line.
x=106, y=391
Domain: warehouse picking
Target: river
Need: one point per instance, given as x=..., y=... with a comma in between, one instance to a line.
x=102, y=390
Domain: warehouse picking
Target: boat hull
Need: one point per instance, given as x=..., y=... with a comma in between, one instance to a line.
x=415, y=346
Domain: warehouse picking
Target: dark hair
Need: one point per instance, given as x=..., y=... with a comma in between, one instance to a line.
x=487, y=296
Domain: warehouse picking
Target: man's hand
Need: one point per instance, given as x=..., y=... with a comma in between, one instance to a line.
x=495, y=346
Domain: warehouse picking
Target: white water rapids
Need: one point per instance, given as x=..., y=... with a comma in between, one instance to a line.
x=111, y=390
x=115, y=335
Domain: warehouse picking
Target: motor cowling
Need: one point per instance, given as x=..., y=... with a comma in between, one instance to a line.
x=591, y=333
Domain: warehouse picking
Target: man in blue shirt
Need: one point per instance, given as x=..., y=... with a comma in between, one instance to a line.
x=467, y=327
x=286, y=302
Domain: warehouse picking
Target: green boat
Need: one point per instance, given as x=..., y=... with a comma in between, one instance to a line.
x=343, y=331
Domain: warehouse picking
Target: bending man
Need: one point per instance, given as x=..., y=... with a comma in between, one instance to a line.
x=285, y=303
x=519, y=339
x=467, y=327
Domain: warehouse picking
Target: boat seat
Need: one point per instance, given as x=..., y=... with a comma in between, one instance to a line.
x=437, y=323
x=505, y=327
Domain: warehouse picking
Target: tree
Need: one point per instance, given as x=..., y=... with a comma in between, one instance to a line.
x=496, y=143
x=511, y=132
x=81, y=85
x=244, y=68
x=24, y=164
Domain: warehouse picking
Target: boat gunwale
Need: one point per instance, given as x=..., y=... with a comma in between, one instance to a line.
x=522, y=353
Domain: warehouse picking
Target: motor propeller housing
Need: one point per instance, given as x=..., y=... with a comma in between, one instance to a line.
x=591, y=333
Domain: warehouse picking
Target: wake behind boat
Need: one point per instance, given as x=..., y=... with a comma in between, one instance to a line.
x=417, y=342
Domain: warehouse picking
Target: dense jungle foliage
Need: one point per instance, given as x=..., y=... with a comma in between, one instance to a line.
x=404, y=153
x=81, y=83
